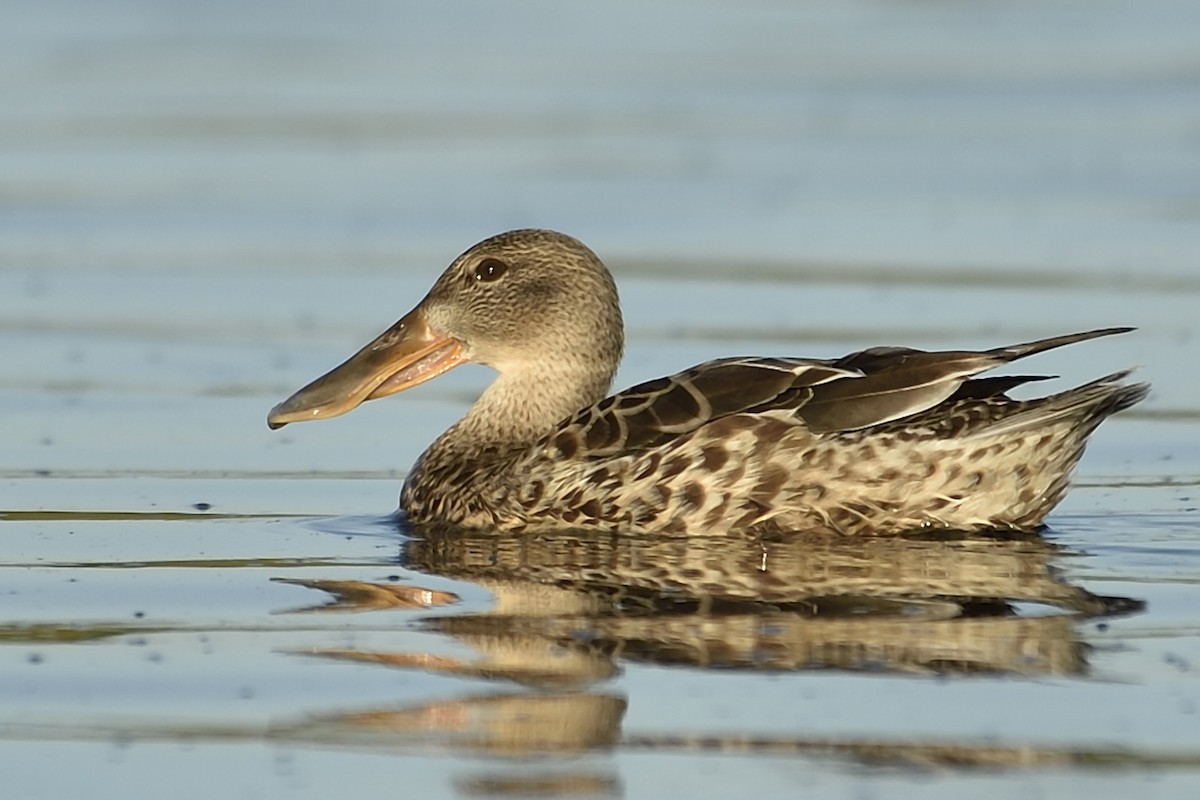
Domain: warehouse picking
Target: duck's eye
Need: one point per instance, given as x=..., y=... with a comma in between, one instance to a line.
x=490, y=269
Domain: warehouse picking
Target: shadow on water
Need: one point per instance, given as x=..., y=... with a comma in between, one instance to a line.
x=570, y=609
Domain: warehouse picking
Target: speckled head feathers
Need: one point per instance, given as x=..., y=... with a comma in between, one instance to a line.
x=528, y=296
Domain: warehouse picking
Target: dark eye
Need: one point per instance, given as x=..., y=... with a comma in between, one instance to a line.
x=490, y=269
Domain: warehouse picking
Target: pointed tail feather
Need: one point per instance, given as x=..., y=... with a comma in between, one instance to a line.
x=1015, y=351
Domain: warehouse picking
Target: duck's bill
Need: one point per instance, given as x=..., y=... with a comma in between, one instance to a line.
x=408, y=353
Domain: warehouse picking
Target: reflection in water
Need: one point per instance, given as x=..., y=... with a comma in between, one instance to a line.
x=499, y=724
x=894, y=604
x=572, y=784
x=570, y=608
x=364, y=596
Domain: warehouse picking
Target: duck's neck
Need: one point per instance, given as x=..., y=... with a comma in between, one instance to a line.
x=520, y=407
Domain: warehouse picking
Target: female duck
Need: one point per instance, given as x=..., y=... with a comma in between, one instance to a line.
x=877, y=442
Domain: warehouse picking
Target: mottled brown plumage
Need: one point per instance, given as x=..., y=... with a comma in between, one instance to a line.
x=876, y=442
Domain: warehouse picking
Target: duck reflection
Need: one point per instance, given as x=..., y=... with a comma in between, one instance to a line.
x=569, y=609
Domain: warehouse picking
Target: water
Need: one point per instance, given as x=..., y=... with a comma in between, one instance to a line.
x=203, y=207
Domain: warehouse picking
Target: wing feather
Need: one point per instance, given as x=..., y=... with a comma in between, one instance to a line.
x=859, y=390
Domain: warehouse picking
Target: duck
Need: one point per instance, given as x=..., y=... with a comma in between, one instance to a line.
x=887, y=440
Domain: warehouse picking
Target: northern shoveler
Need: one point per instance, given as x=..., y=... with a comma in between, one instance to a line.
x=881, y=441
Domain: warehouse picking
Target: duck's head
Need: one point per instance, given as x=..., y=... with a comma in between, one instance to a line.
x=537, y=306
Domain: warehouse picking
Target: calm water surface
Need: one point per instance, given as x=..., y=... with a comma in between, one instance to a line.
x=202, y=207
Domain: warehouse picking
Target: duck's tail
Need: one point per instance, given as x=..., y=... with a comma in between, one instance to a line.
x=1088, y=405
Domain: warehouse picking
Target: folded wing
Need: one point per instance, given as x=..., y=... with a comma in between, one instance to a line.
x=859, y=390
